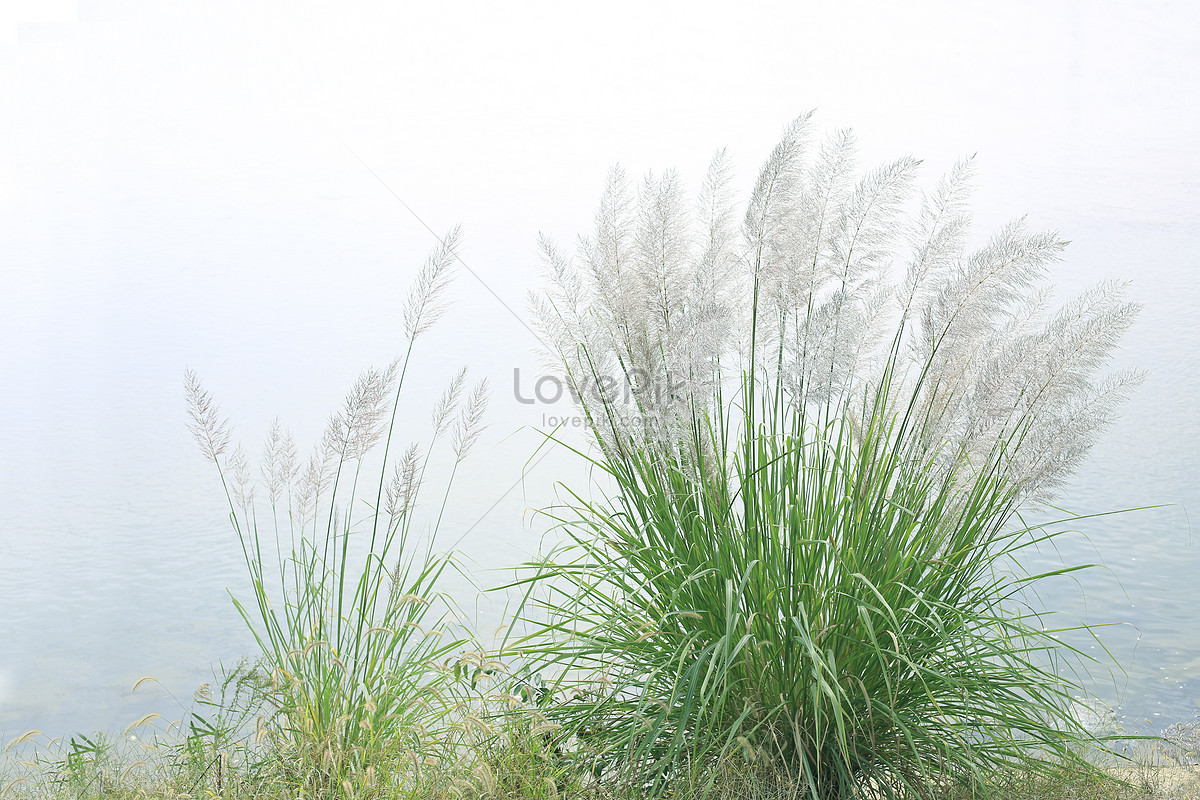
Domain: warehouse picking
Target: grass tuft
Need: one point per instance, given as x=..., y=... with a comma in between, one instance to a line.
x=810, y=559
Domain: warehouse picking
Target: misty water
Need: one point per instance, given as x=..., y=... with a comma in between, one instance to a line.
x=116, y=554
x=170, y=217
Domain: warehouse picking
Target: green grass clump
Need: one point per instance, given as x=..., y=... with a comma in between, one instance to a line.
x=821, y=602
x=819, y=429
x=346, y=606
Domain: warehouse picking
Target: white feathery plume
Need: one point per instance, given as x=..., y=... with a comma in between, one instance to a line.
x=662, y=241
x=713, y=284
x=354, y=430
x=470, y=420
x=1078, y=340
x=209, y=429
x=564, y=313
x=963, y=315
x=1056, y=446
x=716, y=284
x=424, y=304
x=609, y=258
x=809, y=260
x=718, y=225
x=662, y=261
x=443, y=412
x=241, y=483
x=979, y=290
x=866, y=227
x=278, y=466
x=1054, y=384
x=939, y=235
x=793, y=295
x=657, y=298
x=773, y=201
x=860, y=248
x=404, y=484
x=312, y=484
x=562, y=306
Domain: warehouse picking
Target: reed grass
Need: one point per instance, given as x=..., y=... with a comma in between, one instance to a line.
x=353, y=637
x=826, y=605
x=811, y=556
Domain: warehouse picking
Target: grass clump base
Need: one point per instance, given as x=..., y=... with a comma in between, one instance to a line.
x=504, y=767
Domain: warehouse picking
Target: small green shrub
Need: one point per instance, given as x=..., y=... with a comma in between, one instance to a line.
x=351, y=636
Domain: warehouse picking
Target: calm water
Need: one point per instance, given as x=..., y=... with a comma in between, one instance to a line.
x=116, y=555
x=175, y=211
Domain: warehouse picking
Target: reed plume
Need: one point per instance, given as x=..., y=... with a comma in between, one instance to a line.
x=828, y=270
